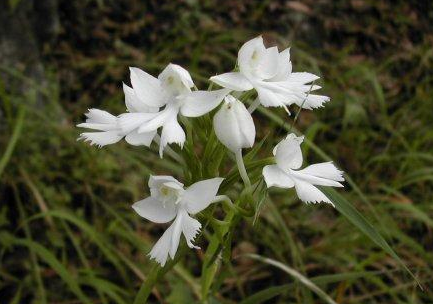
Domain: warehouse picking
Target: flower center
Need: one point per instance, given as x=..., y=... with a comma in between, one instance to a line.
x=169, y=195
x=170, y=80
x=164, y=191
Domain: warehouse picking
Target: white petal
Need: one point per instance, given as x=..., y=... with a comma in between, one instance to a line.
x=234, y=125
x=169, y=242
x=101, y=138
x=99, y=120
x=325, y=170
x=270, y=98
x=130, y=121
x=198, y=196
x=233, y=81
x=275, y=177
x=322, y=174
x=154, y=210
x=312, y=101
x=160, y=250
x=268, y=63
x=100, y=117
x=177, y=230
x=147, y=88
x=190, y=228
x=172, y=132
x=309, y=193
x=134, y=104
x=160, y=118
x=284, y=66
x=249, y=55
x=288, y=154
x=198, y=103
x=99, y=126
x=302, y=77
x=140, y=139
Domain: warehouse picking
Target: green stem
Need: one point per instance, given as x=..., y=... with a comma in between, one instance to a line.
x=242, y=170
x=228, y=202
x=154, y=275
x=146, y=287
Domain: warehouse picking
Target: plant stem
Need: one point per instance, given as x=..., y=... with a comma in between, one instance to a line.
x=147, y=286
x=154, y=275
x=228, y=202
x=242, y=170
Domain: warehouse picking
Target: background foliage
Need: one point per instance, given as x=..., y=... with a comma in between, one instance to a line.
x=67, y=232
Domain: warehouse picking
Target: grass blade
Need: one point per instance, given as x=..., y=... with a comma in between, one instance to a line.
x=296, y=275
x=14, y=139
x=49, y=258
x=271, y=292
x=353, y=215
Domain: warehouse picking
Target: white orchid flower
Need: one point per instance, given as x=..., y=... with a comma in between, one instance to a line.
x=169, y=200
x=269, y=72
x=285, y=173
x=172, y=92
x=108, y=126
x=234, y=125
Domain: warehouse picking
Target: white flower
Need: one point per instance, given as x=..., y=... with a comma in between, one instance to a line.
x=284, y=174
x=269, y=72
x=169, y=200
x=172, y=91
x=234, y=125
x=107, y=124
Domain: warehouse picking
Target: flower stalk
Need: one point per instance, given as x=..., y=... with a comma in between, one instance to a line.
x=242, y=170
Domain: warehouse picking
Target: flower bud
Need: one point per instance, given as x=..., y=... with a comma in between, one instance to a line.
x=234, y=125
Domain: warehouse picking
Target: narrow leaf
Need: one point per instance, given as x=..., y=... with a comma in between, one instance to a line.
x=345, y=208
x=296, y=275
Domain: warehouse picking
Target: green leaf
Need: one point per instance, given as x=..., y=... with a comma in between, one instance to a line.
x=97, y=237
x=266, y=294
x=14, y=139
x=114, y=291
x=271, y=292
x=180, y=294
x=345, y=208
x=296, y=275
x=154, y=275
x=49, y=258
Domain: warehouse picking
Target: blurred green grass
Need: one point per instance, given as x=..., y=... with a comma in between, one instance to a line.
x=67, y=232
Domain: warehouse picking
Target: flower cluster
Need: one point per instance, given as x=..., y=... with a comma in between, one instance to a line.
x=154, y=103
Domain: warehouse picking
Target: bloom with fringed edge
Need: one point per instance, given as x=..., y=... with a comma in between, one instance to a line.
x=169, y=200
x=171, y=92
x=269, y=72
x=108, y=126
x=285, y=173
